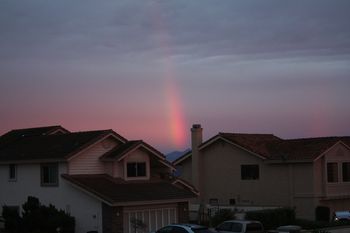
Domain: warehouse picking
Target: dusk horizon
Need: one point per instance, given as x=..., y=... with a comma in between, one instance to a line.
x=149, y=70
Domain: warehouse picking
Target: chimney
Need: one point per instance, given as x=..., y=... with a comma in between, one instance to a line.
x=196, y=139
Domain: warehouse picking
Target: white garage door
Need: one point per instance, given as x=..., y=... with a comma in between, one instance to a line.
x=147, y=220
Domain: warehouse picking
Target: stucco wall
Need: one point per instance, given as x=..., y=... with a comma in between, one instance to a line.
x=85, y=209
x=221, y=178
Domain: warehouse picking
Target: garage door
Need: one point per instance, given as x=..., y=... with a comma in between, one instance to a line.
x=148, y=219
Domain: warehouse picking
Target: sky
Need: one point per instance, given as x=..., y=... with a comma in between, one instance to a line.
x=150, y=69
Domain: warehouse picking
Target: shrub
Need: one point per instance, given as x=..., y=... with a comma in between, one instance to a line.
x=12, y=219
x=273, y=218
x=322, y=213
x=37, y=218
x=220, y=216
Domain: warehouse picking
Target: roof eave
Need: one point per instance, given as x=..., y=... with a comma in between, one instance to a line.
x=152, y=202
x=31, y=161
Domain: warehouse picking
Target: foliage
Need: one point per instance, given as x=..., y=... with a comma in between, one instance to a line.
x=37, y=218
x=137, y=224
x=220, y=216
x=322, y=213
x=12, y=219
x=273, y=218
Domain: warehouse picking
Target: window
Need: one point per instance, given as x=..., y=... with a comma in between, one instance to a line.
x=225, y=226
x=136, y=169
x=332, y=172
x=254, y=227
x=12, y=172
x=49, y=174
x=232, y=201
x=346, y=171
x=236, y=227
x=178, y=230
x=250, y=172
x=213, y=201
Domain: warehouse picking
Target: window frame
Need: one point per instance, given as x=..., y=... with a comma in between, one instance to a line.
x=247, y=175
x=42, y=174
x=336, y=173
x=137, y=164
x=14, y=172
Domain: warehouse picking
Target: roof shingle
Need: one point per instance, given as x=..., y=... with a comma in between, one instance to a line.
x=116, y=190
x=49, y=146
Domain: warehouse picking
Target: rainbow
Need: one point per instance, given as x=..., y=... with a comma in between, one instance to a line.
x=173, y=102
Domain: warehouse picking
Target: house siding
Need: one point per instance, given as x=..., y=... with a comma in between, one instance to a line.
x=87, y=162
x=64, y=196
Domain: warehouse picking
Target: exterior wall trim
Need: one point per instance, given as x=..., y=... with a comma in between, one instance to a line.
x=156, y=202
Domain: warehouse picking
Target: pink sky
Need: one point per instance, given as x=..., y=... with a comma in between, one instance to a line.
x=232, y=66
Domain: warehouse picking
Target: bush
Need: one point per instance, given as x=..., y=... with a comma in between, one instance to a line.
x=220, y=216
x=37, y=218
x=322, y=213
x=273, y=218
x=12, y=219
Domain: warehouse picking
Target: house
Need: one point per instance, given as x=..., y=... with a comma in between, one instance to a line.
x=99, y=177
x=263, y=170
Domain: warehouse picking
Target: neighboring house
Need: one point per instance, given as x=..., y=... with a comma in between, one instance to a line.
x=99, y=177
x=264, y=170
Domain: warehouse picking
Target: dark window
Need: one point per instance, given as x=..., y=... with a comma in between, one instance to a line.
x=49, y=174
x=178, y=230
x=254, y=227
x=12, y=172
x=232, y=201
x=332, y=172
x=136, y=169
x=226, y=226
x=346, y=171
x=236, y=227
x=250, y=172
x=201, y=230
x=213, y=201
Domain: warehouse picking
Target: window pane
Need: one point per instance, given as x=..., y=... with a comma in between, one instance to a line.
x=12, y=171
x=131, y=169
x=237, y=227
x=141, y=169
x=136, y=169
x=49, y=174
x=332, y=172
x=346, y=172
x=250, y=172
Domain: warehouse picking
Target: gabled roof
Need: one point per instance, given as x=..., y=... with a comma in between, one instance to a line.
x=121, y=151
x=305, y=148
x=270, y=147
x=49, y=147
x=116, y=191
x=257, y=143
